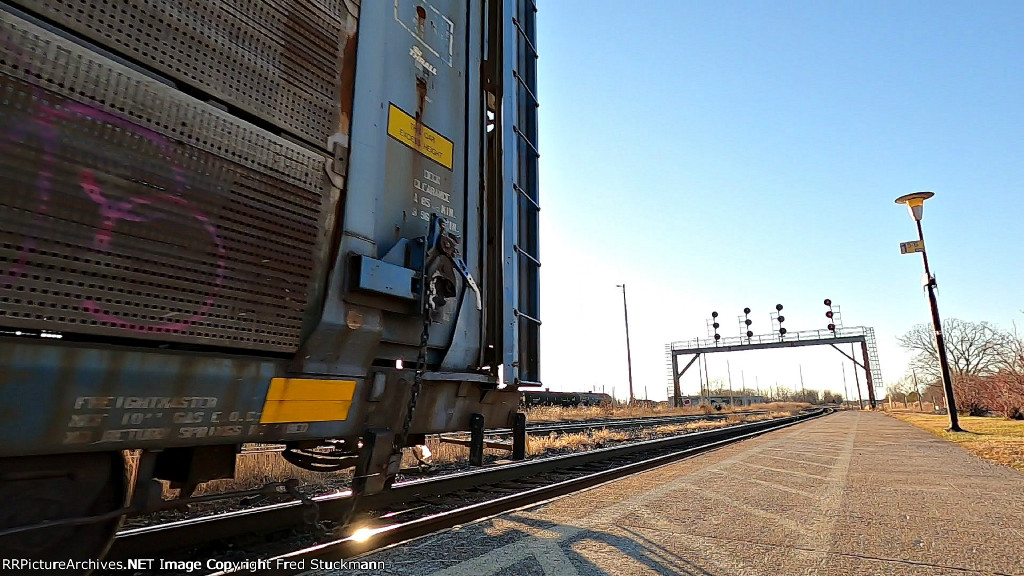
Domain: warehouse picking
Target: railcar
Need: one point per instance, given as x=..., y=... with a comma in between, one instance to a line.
x=566, y=399
x=303, y=222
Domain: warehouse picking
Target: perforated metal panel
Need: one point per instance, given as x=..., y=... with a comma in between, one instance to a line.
x=129, y=209
x=279, y=60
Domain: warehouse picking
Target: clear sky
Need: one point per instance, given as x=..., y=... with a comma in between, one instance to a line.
x=717, y=155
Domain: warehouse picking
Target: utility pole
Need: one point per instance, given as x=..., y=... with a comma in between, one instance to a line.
x=743, y=392
x=803, y=391
x=846, y=391
x=629, y=356
x=729, y=370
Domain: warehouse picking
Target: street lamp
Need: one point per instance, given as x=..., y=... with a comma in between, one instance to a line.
x=629, y=357
x=915, y=205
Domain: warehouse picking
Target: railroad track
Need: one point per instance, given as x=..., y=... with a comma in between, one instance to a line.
x=418, y=507
x=567, y=427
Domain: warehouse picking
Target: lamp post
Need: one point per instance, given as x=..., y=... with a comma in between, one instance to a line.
x=629, y=356
x=915, y=205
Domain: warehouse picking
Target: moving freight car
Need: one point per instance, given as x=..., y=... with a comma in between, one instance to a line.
x=304, y=222
x=548, y=398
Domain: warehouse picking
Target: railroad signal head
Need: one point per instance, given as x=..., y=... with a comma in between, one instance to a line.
x=778, y=307
x=715, y=325
x=828, y=302
x=832, y=327
x=714, y=314
x=828, y=314
x=782, y=331
x=746, y=310
x=750, y=333
x=748, y=321
x=718, y=337
x=782, y=319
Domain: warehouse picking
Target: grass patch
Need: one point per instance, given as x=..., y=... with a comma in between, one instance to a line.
x=560, y=413
x=991, y=438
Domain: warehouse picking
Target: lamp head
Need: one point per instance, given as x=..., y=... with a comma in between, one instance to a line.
x=915, y=203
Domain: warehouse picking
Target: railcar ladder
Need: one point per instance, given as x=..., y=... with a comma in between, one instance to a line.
x=520, y=254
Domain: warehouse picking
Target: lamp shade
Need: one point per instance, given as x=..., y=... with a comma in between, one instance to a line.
x=915, y=203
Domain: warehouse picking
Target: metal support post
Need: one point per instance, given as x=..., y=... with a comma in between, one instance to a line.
x=676, y=400
x=476, y=440
x=856, y=379
x=867, y=374
x=940, y=342
x=519, y=437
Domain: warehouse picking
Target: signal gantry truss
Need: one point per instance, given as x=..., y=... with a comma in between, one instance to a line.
x=863, y=334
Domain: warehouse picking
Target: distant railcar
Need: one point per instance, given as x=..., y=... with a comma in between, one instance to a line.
x=566, y=399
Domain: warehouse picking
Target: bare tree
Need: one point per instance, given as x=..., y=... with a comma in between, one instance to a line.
x=1008, y=383
x=783, y=394
x=830, y=397
x=973, y=348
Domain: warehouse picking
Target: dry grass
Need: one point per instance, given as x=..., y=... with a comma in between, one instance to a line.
x=576, y=442
x=255, y=470
x=688, y=427
x=560, y=413
x=991, y=438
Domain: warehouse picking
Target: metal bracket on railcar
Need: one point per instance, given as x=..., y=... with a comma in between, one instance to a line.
x=443, y=245
x=449, y=247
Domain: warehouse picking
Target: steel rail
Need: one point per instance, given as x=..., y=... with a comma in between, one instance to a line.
x=351, y=547
x=178, y=535
x=612, y=423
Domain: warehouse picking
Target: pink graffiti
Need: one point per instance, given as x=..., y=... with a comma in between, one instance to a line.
x=137, y=209
x=43, y=125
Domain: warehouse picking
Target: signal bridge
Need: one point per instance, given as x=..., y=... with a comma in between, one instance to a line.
x=863, y=334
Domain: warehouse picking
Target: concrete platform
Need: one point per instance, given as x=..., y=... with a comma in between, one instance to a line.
x=851, y=493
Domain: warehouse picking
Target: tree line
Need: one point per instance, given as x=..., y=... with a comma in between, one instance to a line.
x=985, y=363
x=776, y=393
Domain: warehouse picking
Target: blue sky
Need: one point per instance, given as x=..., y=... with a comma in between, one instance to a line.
x=717, y=155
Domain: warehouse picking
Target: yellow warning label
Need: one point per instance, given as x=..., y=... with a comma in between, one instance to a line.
x=404, y=128
x=307, y=400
